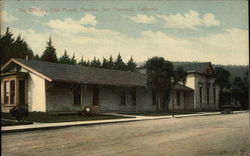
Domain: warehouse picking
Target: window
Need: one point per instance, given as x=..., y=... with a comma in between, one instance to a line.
x=200, y=93
x=12, y=91
x=133, y=96
x=22, y=92
x=214, y=96
x=178, y=96
x=77, y=94
x=184, y=98
x=6, y=91
x=95, y=95
x=208, y=95
x=123, y=97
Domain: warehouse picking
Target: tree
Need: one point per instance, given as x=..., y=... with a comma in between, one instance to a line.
x=21, y=49
x=6, y=47
x=19, y=112
x=180, y=75
x=131, y=65
x=13, y=48
x=159, y=73
x=49, y=53
x=119, y=64
x=110, y=63
x=240, y=90
x=95, y=63
x=222, y=77
x=73, y=60
x=65, y=59
x=84, y=63
x=37, y=57
x=105, y=63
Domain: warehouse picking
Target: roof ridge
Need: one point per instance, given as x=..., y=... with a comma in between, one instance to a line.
x=78, y=65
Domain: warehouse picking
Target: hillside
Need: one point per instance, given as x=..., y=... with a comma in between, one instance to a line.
x=235, y=70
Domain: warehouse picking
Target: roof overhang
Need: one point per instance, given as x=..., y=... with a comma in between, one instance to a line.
x=27, y=68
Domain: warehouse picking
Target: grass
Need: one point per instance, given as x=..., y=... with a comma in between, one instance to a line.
x=53, y=117
x=158, y=113
x=14, y=123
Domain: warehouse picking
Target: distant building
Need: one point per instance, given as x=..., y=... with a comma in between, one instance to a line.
x=47, y=87
x=201, y=79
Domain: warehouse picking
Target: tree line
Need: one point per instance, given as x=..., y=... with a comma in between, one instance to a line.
x=18, y=48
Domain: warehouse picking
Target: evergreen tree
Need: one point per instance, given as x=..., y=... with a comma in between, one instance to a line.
x=11, y=48
x=119, y=64
x=95, y=63
x=21, y=49
x=83, y=63
x=105, y=63
x=73, y=60
x=110, y=63
x=131, y=65
x=6, y=46
x=49, y=53
x=65, y=59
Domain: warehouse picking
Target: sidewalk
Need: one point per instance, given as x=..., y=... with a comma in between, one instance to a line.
x=40, y=126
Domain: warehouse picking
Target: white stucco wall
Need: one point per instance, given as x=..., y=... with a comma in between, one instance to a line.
x=36, y=93
x=186, y=100
x=193, y=81
x=110, y=100
x=60, y=98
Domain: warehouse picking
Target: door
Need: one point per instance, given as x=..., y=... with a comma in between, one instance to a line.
x=95, y=96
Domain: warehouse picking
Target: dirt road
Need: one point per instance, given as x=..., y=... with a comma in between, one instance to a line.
x=205, y=135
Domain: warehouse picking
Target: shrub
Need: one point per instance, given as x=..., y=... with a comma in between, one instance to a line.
x=19, y=112
x=86, y=111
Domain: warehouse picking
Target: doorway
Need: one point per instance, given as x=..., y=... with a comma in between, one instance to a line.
x=95, y=96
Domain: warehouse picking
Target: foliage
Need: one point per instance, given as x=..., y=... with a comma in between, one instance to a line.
x=49, y=53
x=131, y=65
x=19, y=112
x=180, y=75
x=84, y=63
x=37, y=57
x=222, y=77
x=13, y=48
x=95, y=63
x=65, y=59
x=105, y=63
x=159, y=73
x=240, y=90
x=110, y=63
x=119, y=64
x=73, y=60
x=86, y=111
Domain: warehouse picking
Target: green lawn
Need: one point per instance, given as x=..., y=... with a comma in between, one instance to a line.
x=14, y=123
x=158, y=113
x=53, y=117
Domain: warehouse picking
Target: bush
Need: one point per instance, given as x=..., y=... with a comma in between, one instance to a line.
x=19, y=112
x=86, y=111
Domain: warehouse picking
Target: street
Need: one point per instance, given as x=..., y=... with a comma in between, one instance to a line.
x=198, y=136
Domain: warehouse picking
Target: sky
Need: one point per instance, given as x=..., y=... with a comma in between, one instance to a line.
x=204, y=31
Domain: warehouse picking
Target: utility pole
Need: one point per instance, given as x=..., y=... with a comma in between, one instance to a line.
x=173, y=83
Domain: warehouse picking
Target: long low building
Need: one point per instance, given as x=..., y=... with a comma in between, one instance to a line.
x=49, y=87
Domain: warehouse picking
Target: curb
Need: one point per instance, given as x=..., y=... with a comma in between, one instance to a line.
x=16, y=129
